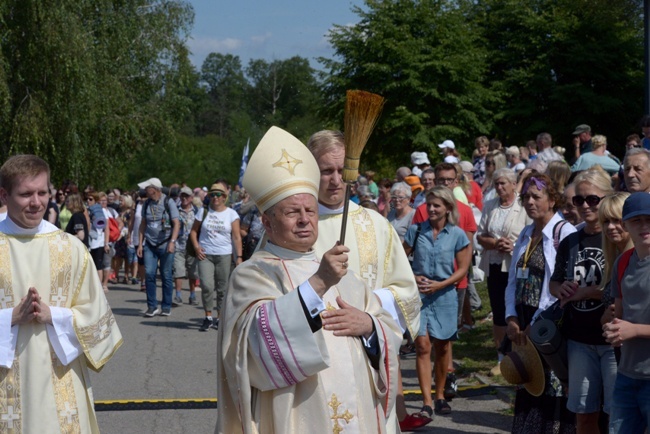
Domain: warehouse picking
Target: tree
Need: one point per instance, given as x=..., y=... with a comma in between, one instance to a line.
x=86, y=84
x=428, y=63
x=226, y=87
x=560, y=63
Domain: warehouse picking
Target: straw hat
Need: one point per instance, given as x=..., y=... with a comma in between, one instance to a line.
x=523, y=366
x=281, y=166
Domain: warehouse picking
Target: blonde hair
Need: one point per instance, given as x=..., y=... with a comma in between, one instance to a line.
x=463, y=182
x=598, y=141
x=596, y=176
x=611, y=208
x=559, y=172
x=447, y=197
x=321, y=142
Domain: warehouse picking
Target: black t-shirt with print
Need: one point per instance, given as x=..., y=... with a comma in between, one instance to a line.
x=582, y=318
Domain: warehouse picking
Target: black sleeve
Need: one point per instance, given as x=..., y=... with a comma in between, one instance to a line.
x=559, y=272
x=372, y=350
x=315, y=323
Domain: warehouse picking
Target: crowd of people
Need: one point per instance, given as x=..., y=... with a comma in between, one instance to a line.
x=544, y=229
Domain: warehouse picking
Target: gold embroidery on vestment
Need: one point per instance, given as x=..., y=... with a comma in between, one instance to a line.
x=60, y=270
x=364, y=231
x=95, y=333
x=334, y=404
x=10, y=407
x=64, y=396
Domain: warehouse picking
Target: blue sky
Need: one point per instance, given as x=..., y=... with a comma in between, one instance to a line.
x=267, y=29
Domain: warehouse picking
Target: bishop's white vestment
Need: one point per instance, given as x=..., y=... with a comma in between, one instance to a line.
x=44, y=385
x=277, y=376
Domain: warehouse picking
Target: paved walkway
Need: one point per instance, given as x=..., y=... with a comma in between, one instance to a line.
x=168, y=359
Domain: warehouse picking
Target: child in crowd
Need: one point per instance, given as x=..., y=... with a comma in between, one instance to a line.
x=630, y=330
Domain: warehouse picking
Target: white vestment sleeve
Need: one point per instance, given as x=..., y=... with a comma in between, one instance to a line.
x=62, y=335
x=389, y=304
x=8, y=338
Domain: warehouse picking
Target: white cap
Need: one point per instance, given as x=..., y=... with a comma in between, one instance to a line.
x=447, y=144
x=151, y=182
x=281, y=166
x=451, y=159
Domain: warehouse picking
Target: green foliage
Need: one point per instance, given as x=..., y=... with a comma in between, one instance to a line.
x=560, y=63
x=87, y=84
x=429, y=64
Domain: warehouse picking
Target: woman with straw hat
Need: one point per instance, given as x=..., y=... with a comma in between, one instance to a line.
x=527, y=295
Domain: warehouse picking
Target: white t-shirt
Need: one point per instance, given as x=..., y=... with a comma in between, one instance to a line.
x=216, y=232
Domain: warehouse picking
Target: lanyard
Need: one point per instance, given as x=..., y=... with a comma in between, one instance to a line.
x=530, y=251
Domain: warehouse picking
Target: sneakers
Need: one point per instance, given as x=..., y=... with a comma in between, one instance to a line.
x=451, y=388
x=414, y=421
x=152, y=312
x=215, y=324
x=177, y=301
x=207, y=323
x=442, y=407
x=134, y=281
x=166, y=312
x=193, y=301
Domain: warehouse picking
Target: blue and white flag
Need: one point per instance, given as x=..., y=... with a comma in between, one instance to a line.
x=244, y=162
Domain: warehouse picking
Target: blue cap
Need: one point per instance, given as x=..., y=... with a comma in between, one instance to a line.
x=636, y=204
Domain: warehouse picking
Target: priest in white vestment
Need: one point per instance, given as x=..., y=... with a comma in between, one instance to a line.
x=55, y=321
x=377, y=254
x=304, y=346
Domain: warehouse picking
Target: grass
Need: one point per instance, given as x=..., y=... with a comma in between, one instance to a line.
x=475, y=349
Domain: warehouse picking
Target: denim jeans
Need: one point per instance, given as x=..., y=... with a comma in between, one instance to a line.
x=631, y=406
x=151, y=257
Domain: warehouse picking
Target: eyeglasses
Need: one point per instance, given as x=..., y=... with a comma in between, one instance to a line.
x=398, y=197
x=489, y=163
x=592, y=200
x=217, y=194
x=440, y=181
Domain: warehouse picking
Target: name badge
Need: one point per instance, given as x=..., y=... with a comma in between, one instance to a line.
x=522, y=273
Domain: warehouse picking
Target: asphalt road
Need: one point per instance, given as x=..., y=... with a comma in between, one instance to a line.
x=165, y=362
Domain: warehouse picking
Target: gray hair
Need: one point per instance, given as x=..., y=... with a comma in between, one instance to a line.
x=401, y=187
x=505, y=172
x=636, y=151
x=364, y=191
x=545, y=139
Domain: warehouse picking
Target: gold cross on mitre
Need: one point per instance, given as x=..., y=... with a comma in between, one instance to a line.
x=334, y=404
x=288, y=162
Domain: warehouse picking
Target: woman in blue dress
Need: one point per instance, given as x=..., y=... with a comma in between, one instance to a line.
x=437, y=243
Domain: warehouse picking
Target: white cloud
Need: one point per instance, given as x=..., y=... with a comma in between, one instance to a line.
x=204, y=46
x=261, y=39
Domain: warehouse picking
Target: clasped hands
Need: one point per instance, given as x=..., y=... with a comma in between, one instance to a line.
x=30, y=308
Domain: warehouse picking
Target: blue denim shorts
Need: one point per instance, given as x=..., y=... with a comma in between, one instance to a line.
x=592, y=369
x=131, y=257
x=439, y=314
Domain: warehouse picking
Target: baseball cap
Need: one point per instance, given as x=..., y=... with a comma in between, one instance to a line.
x=636, y=204
x=187, y=191
x=582, y=128
x=447, y=144
x=151, y=182
x=451, y=159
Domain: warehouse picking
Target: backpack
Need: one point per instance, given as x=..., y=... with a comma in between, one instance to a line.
x=623, y=262
x=114, y=230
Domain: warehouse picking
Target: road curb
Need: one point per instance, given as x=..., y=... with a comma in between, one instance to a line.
x=505, y=393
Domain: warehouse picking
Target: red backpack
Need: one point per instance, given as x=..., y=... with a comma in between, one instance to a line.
x=622, y=266
x=114, y=233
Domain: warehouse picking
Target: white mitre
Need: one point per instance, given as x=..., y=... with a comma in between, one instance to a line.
x=280, y=166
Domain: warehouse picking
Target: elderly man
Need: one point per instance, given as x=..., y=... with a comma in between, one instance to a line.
x=304, y=346
x=546, y=153
x=636, y=170
x=54, y=318
x=158, y=233
x=377, y=254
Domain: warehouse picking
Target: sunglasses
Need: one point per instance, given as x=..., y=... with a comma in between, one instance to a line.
x=592, y=200
x=217, y=194
x=489, y=163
